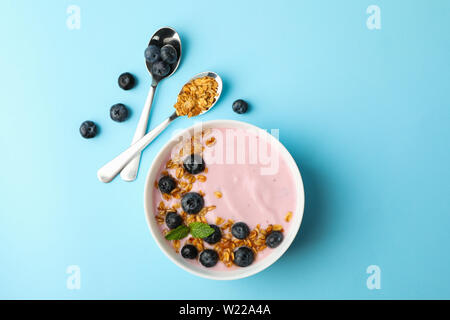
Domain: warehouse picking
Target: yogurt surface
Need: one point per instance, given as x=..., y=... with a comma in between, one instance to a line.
x=255, y=183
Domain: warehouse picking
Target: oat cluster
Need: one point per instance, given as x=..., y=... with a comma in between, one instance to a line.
x=196, y=96
x=226, y=246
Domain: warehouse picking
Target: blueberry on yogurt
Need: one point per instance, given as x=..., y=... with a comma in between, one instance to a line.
x=194, y=164
x=243, y=256
x=152, y=53
x=215, y=236
x=189, y=251
x=209, y=258
x=166, y=184
x=169, y=54
x=173, y=220
x=192, y=202
x=240, y=230
x=274, y=239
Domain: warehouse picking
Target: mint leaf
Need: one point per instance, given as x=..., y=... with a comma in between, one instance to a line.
x=200, y=230
x=178, y=233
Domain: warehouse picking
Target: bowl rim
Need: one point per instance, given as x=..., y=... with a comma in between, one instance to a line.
x=208, y=273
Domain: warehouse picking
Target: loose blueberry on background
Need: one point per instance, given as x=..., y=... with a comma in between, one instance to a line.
x=209, y=258
x=240, y=106
x=215, y=236
x=169, y=54
x=88, y=129
x=173, y=220
x=192, y=202
x=152, y=53
x=189, y=252
x=160, y=69
x=166, y=184
x=274, y=239
x=118, y=112
x=243, y=256
x=194, y=164
x=126, y=81
x=240, y=230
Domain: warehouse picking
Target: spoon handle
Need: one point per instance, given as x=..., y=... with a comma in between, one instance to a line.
x=129, y=172
x=110, y=170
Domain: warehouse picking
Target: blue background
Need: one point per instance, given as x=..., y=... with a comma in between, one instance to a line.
x=365, y=113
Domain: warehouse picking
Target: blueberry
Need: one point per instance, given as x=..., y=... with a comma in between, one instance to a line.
x=274, y=239
x=240, y=106
x=152, y=53
x=126, y=81
x=166, y=184
x=118, y=112
x=173, y=220
x=209, y=258
x=243, y=256
x=189, y=252
x=240, y=230
x=169, y=54
x=215, y=236
x=88, y=129
x=160, y=69
x=194, y=164
x=192, y=202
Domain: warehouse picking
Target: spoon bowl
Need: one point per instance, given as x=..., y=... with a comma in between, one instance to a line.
x=216, y=77
x=160, y=38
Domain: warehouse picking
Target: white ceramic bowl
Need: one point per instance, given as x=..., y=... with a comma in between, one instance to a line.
x=211, y=273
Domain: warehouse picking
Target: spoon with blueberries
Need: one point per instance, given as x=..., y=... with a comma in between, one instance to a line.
x=162, y=57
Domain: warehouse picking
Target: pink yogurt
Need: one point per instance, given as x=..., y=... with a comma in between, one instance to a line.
x=255, y=191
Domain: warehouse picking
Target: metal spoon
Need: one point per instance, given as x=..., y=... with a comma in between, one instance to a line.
x=110, y=170
x=161, y=37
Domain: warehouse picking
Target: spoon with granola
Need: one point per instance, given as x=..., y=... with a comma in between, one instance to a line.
x=196, y=97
